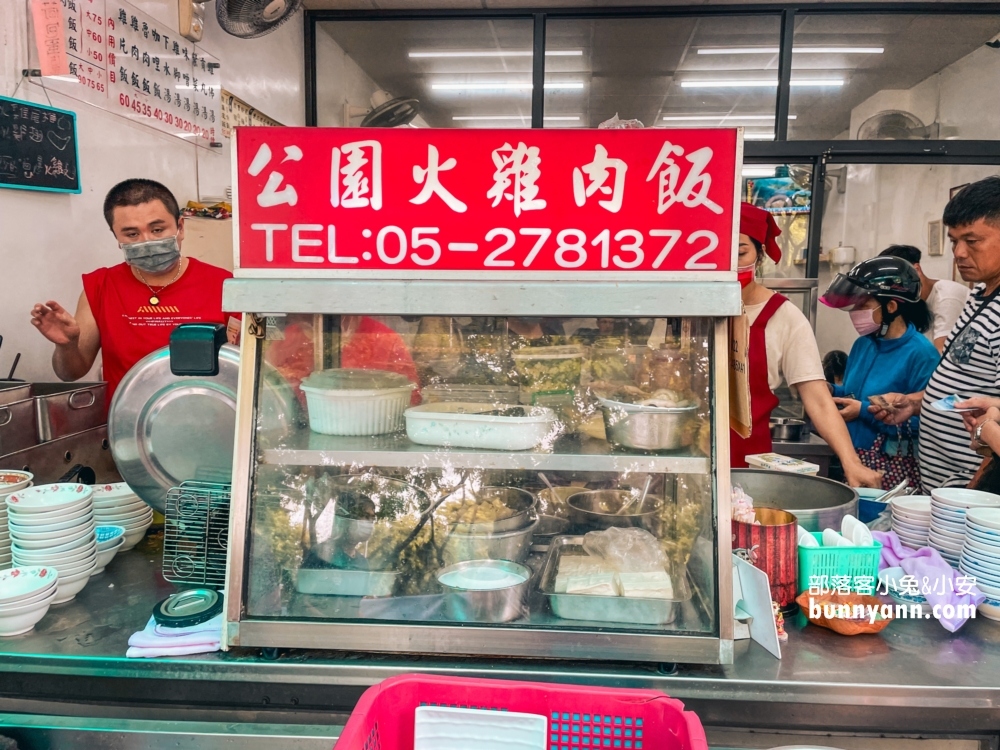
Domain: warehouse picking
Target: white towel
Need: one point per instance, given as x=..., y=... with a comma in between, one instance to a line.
x=156, y=640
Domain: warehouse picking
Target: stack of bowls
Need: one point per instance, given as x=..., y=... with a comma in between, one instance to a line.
x=118, y=505
x=110, y=540
x=948, y=508
x=53, y=525
x=981, y=556
x=25, y=597
x=911, y=519
x=10, y=481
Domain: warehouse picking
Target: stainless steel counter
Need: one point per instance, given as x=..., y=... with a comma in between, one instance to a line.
x=913, y=678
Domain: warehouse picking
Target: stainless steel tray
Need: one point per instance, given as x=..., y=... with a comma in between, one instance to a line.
x=603, y=609
x=10, y=392
x=68, y=408
x=17, y=426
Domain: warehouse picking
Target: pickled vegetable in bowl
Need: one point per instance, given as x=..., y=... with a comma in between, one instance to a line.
x=549, y=368
x=487, y=509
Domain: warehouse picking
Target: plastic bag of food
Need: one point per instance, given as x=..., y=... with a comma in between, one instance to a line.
x=626, y=550
x=618, y=124
x=742, y=505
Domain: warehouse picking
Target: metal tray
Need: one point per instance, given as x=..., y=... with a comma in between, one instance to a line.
x=67, y=408
x=17, y=426
x=603, y=609
x=10, y=392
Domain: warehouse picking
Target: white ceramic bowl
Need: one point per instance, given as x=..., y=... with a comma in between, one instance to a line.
x=24, y=582
x=982, y=548
x=78, y=537
x=59, y=526
x=120, y=510
x=68, y=571
x=48, y=497
x=69, y=587
x=141, y=523
x=29, y=520
x=958, y=497
x=119, y=519
x=12, y=481
x=911, y=537
x=907, y=526
x=33, y=599
x=55, y=558
x=916, y=504
x=133, y=537
x=115, y=491
x=106, y=556
x=988, y=518
x=912, y=520
x=18, y=622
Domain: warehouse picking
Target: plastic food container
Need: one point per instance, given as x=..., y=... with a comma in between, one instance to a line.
x=356, y=402
x=333, y=582
x=477, y=425
x=548, y=368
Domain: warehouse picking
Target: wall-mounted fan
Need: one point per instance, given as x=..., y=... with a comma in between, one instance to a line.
x=385, y=111
x=896, y=125
x=248, y=19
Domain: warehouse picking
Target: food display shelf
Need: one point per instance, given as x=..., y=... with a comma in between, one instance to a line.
x=569, y=453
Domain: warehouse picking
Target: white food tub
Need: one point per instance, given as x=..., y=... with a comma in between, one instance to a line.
x=470, y=425
x=356, y=402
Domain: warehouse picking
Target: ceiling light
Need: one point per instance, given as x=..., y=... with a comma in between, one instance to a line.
x=759, y=136
x=504, y=86
x=496, y=53
x=797, y=50
x=721, y=118
x=486, y=118
x=736, y=83
x=758, y=172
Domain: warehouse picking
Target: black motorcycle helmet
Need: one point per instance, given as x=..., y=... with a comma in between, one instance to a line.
x=882, y=276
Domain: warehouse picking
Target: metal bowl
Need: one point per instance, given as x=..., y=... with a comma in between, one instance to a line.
x=647, y=428
x=552, y=501
x=486, y=605
x=598, y=509
x=787, y=430
x=518, y=500
x=511, y=545
x=817, y=502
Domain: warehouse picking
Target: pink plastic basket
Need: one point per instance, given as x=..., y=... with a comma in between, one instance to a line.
x=580, y=718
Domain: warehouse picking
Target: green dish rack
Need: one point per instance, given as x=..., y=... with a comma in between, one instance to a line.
x=837, y=562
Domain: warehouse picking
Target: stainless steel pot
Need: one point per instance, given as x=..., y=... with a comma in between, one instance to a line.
x=487, y=605
x=818, y=503
x=511, y=545
x=647, y=428
x=787, y=430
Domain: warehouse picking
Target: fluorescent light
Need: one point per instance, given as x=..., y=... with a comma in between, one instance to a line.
x=523, y=118
x=495, y=53
x=759, y=136
x=503, y=86
x=721, y=118
x=735, y=83
x=797, y=50
x=67, y=78
x=758, y=172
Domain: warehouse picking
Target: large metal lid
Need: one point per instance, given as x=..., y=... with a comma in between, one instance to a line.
x=165, y=429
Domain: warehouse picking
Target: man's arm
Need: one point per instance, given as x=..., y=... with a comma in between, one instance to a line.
x=76, y=337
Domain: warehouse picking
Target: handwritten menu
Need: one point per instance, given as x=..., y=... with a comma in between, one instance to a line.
x=236, y=113
x=132, y=65
x=37, y=147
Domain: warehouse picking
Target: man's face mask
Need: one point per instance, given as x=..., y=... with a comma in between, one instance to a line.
x=154, y=256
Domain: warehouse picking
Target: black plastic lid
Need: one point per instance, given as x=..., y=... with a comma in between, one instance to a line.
x=187, y=608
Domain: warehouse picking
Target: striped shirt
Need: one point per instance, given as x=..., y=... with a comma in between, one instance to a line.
x=971, y=367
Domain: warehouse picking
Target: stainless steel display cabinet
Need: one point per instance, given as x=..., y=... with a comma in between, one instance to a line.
x=339, y=541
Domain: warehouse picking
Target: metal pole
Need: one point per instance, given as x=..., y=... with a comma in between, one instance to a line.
x=784, y=75
x=538, y=72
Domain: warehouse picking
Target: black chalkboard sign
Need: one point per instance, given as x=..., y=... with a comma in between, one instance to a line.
x=38, y=149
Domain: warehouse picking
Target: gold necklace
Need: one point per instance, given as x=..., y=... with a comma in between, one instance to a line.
x=153, y=297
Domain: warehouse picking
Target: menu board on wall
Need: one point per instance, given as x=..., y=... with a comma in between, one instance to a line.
x=236, y=113
x=132, y=65
x=37, y=147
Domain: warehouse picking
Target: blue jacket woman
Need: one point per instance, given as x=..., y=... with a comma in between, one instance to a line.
x=890, y=356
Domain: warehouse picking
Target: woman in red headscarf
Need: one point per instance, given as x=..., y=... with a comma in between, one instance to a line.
x=783, y=347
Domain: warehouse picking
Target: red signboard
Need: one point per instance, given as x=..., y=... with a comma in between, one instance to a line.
x=528, y=203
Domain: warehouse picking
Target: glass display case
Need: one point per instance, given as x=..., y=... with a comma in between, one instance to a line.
x=484, y=421
x=483, y=484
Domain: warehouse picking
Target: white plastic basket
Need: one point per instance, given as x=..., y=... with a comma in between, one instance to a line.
x=336, y=408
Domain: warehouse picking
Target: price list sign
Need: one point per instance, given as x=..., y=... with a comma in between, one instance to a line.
x=130, y=64
x=418, y=203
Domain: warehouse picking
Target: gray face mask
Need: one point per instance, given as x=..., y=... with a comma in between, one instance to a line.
x=154, y=256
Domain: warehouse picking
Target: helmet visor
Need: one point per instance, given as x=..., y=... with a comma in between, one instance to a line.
x=844, y=292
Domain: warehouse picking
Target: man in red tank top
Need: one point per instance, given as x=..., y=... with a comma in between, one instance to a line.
x=129, y=310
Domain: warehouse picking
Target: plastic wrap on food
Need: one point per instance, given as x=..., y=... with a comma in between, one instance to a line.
x=629, y=550
x=616, y=123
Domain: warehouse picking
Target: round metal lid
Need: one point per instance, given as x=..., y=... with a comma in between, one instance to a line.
x=166, y=429
x=187, y=608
